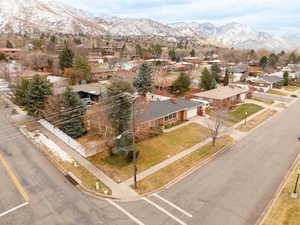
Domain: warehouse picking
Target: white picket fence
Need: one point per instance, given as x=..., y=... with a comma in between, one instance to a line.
x=65, y=138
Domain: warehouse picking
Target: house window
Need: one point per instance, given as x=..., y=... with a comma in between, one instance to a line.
x=171, y=116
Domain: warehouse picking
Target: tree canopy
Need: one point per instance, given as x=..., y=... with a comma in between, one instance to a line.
x=66, y=57
x=181, y=84
x=118, y=93
x=36, y=94
x=207, y=80
x=144, y=81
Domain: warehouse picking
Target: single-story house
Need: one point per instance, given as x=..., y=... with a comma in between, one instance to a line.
x=224, y=97
x=162, y=113
x=238, y=73
x=100, y=73
x=93, y=91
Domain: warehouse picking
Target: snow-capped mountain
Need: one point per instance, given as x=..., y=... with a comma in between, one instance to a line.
x=238, y=35
x=19, y=16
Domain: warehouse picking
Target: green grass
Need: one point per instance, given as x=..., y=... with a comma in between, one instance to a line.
x=172, y=171
x=290, y=88
x=263, y=100
x=275, y=92
x=285, y=211
x=152, y=151
x=239, y=113
x=171, y=74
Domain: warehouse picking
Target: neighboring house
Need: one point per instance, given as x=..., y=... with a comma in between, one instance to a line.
x=100, y=73
x=154, y=97
x=162, y=113
x=193, y=60
x=57, y=81
x=280, y=74
x=224, y=97
x=13, y=53
x=238, y=73
x=93, y=91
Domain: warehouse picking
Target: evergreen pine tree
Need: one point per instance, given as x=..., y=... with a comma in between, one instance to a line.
x=121, y=104
x=226, y=78
x=207, y=80
x=74, y=111
x=215, y=71
x=263, y=61
x=143, y=81
x=81, y=64
x=66, y=58
x=193, y=53
x=172, y=55
x=36, y=95
x=181, y=84
x=9, y=44
x=20, y=92
x=285, y=78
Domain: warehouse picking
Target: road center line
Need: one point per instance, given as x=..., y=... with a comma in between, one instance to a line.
x=125, y=212
x=173, y=205
x=13, y=209
x=164, y=211
x=14, y=179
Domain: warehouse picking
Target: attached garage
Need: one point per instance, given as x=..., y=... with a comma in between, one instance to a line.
x=192, y=112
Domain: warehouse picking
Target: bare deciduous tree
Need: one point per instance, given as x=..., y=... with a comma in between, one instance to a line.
x=215, y=123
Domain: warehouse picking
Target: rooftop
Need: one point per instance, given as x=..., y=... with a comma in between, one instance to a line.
x=159, y=109
x=222, y=93
x=92, y=88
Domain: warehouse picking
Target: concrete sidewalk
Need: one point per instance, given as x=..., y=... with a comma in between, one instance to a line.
x=118, y=190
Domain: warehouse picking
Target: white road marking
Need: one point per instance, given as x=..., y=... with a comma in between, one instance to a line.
x=125, y=212
x=173, y=205
x=164, y=211
x=13, y=209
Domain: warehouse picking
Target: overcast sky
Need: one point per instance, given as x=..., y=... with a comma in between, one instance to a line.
x=280, y=16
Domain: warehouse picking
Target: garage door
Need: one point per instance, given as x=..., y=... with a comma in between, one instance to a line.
x=192, y=112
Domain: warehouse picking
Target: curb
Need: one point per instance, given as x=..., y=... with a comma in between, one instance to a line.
x=277, y=193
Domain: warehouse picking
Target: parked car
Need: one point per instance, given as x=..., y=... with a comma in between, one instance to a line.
x=87, y=101
x=202, y=102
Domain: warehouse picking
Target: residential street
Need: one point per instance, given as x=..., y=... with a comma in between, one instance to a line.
x=231, y=190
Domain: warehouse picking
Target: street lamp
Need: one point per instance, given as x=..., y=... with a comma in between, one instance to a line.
x=295, y=194
x=245, y=122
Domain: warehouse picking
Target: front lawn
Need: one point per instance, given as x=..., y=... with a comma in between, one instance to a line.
x=177, y=168
x=152, y=151
x=286, y=210
x=239, y=113
x=290, y=88
x=254, y=122
x=172, y=74
x=276, y=92
x=263, y=100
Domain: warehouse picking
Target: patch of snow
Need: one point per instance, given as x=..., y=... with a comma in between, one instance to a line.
x=55, y=149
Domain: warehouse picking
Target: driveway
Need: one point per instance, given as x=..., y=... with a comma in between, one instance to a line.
x=273, y=97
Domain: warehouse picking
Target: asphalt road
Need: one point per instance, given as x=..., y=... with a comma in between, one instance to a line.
x=273, y=97
x=231, y=190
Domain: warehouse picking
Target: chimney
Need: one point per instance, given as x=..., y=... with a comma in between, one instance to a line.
x=174, y=100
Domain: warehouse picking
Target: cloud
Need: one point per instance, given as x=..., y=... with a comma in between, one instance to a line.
x=265, y=15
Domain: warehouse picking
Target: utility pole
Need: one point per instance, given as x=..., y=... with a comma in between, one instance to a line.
x=133, y=143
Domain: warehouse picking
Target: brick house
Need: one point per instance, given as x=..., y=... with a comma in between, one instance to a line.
x=224, y=97
x=162, y=113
